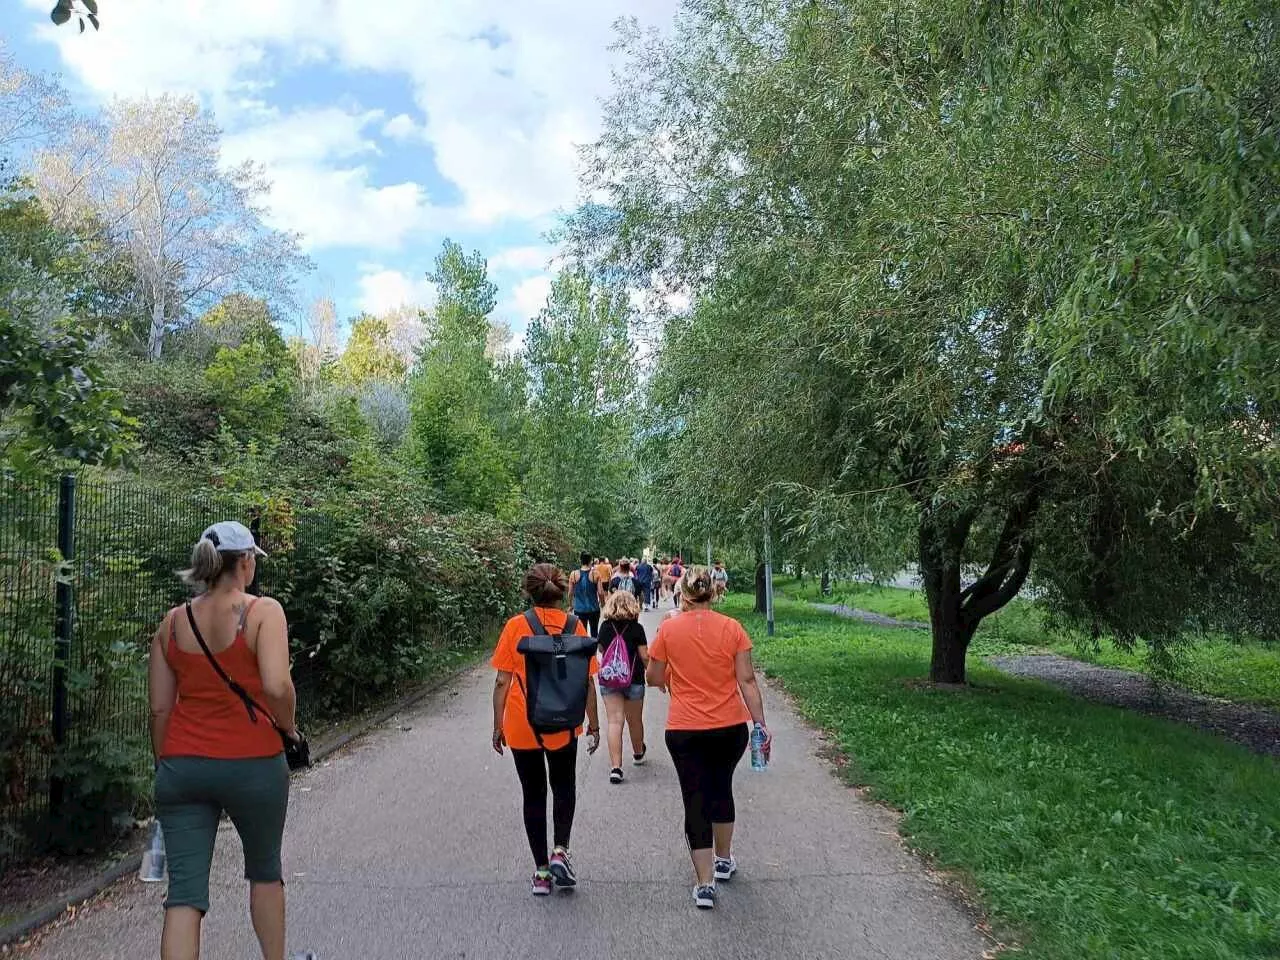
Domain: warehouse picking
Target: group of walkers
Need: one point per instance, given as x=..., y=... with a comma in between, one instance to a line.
x=650, y=582
x=224, y=734
x=700, y=658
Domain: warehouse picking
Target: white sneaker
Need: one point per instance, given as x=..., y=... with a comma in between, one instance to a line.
x=704, y=896
x=726, y=867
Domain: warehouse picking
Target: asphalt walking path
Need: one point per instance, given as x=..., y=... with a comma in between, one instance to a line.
x=409, y=844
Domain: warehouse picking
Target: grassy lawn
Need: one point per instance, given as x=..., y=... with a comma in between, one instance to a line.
x=1218, y=667
x=1088, y=832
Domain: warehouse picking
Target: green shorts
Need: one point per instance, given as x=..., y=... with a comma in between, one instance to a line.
x=191, y=795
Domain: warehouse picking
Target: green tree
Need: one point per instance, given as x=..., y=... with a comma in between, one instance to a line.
x=583, y=388
x=55, y=402
x=1001, y=275
x=369, y=356
x=453, y=438
x=253, y=375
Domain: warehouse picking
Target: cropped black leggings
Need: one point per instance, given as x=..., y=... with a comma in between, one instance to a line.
x=704, y=762
x=560, y=768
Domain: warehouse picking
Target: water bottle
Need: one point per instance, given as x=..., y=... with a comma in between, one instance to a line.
x=153, y=860
x=759, y=761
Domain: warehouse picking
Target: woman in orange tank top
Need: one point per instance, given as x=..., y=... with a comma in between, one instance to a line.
x=213, y=755
x=703, y=660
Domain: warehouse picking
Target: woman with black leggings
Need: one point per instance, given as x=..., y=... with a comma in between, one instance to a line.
x=703, y=659
x=549, y=757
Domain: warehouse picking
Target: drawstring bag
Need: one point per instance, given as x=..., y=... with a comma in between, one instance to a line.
x=616, y=666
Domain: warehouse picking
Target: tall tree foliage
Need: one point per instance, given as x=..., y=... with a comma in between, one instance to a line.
x=583, y=390
x=369, y=355
x=452, y=438
x=55, y=400
x=1002, y=274
x=147, y=175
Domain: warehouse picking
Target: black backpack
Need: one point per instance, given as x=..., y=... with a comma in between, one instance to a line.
x=558, y=668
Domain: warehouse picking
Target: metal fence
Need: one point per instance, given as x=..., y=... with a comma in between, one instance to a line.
x=86, y=572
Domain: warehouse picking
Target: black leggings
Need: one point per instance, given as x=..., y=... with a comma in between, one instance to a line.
x=704, y=762
x=591, y=620
x=561, y=768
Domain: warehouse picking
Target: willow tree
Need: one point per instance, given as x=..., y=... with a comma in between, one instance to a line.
x=1004, y=271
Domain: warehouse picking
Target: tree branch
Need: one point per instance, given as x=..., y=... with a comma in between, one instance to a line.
x=984, y=606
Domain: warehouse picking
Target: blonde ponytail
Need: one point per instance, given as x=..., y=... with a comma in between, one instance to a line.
x=695, y=585
x=206, y=566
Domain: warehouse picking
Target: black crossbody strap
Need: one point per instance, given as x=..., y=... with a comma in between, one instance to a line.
x=250, y=704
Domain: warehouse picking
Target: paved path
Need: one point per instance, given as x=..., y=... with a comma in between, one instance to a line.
x=409, y=845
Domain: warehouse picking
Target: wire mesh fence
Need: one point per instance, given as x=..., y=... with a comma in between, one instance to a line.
x=87, y=572
x=73, y=680
x=29, y=568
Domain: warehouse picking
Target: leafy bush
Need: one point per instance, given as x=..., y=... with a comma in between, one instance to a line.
x=380, y=590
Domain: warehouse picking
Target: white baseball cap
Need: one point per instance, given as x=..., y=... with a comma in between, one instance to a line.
x=230, y=536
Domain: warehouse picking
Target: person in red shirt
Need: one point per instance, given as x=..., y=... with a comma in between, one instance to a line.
x=703, y=659
x=212, y=754
x=549, y=758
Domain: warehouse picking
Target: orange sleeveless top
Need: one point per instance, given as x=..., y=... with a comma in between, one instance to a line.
x=208, y=720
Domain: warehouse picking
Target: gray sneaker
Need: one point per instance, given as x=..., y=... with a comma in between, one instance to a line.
x=561, y=867
x=726, y=867
x=704, y=896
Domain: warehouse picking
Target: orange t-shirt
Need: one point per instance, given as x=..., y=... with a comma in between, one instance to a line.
x=604, y=573
x=515, y=718
x=699, y=648
x=208, y=720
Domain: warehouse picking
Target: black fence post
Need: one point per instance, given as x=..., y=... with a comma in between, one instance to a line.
x=62, y=627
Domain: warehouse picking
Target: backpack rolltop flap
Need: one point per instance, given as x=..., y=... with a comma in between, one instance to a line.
x=570, y=645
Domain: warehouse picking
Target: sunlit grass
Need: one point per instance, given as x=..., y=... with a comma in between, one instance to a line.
x=1087, y=831
x=1216, y=666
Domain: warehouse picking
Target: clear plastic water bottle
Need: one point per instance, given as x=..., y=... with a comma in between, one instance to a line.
x=153, y=859
x=759, y=760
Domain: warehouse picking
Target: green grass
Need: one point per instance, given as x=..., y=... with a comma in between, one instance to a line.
x=1088, y=831
x=1216, y=666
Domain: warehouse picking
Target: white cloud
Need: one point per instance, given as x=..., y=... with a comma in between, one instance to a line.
x=400, y=127
x=530, y=296
x=503, y=119
x=383, y=290
x=317, y=190
x=522, y=259
x=266, y=134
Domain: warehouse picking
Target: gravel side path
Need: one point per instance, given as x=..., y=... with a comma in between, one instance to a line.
x=1254, y=727
x=866, y=616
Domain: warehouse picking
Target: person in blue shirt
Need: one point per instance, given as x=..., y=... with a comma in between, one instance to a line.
x=644, y=577
x=586, y=595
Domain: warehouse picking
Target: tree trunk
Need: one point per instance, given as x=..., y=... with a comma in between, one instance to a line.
x=955, y=612
x=826, y=583
x=761, y=602
x=155, y=335
x=951, y=636
x=941, y=543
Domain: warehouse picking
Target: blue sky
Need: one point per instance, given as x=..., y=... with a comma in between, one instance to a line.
x=382, y=132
